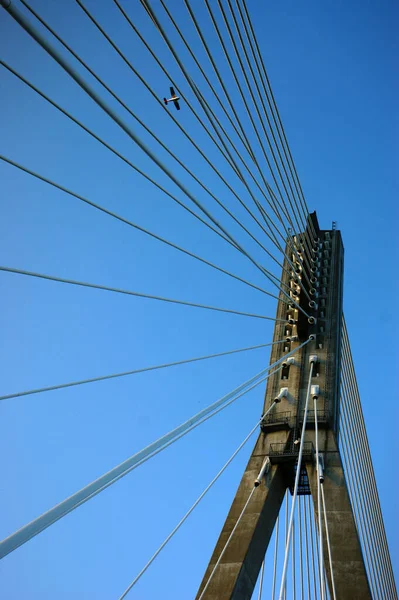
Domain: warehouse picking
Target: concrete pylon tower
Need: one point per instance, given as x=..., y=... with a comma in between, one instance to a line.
x=320, y=295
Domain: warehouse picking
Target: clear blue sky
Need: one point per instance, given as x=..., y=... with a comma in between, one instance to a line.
x=332, y=69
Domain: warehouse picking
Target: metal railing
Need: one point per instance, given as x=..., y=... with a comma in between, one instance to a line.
x=290, y=449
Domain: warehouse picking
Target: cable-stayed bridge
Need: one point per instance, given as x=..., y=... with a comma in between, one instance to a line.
x=306, y=520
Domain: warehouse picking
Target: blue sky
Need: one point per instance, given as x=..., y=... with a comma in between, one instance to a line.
x=332, y=69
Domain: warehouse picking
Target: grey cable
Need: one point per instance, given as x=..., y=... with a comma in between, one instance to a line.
x=132, y=372
x=175, y=55
x=113, y=150
x=156, y=22
x=328, y=544
x=21, y=19
x=319, y=509
x=227, y=543
x=126, y=107
x=159, y=27
x=262, y=574
x=312, y=547
x=180, y=162
x=275, y=112
x=368, y=466
x=203, y=103
x=275, y=559
x=261, y=96
x=188, y=513
x=364, y=529
x=317, y=545
x=297, y=210
x=188, y=47
x=297, y=476
x=131, y=293
x=227, y=95
x=136, y=226
x=41, y=523
x=243, y=96
x=300, y=547
x=255, y=104
x=238, y=85
x=286, y=535
x=368, y=497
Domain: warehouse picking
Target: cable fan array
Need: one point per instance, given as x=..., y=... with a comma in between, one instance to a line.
x=233, y=112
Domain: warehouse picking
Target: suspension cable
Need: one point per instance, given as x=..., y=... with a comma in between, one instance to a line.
x=319, y=509
x=275, y=559
x=242, y=136
x=371, y=491
x=188, y=47
x=328, y=543
x=260, y=95
x=196, y=91
x=239, y=88
x=306, y=505
x=300, y=547
x=297, y=475
x=293, y=561
x=109, y=90
x=41, y=523
x=133, y=372
x=20, y=18
x=227, y=543
x=286, y=535
x=275, y=112
x=202, y=38
x=133, y=293
x=249, y=87
x=136, y=226
x=244, y=99
x=262, y=574
x=363, y=485
x=126, y=107
x=288, y=240
x=180, y=162
x=200, y=497
x=364, y=528
x=317, y=552
x=114, y=151
x=302, y=223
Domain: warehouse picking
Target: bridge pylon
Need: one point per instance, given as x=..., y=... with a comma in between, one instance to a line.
x=313, y=279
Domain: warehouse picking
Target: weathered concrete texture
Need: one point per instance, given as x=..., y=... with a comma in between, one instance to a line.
x=349, y=571
x=236, y=576
x=238, y=571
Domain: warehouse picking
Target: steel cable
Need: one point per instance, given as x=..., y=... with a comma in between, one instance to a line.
x=126, y=107
x=136, y=226
x=132, y=293
x=275, y=112
x=302, y=223
x=41, y=523
x=180, y=162
x=371, y=488
x=227, y=543
x=297, y=475
x=20, y=18
x=188, y=513
x=249, y=87
x=269, y=222
x=133, y=372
